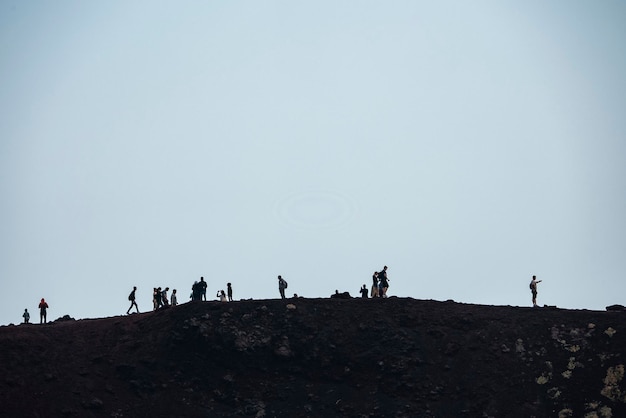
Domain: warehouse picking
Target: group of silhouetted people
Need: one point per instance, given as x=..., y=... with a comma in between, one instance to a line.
x=380, y=284
x=160, y=299
x=43, y=314
x=225, y=296
x=160, y=296
x=198, y=290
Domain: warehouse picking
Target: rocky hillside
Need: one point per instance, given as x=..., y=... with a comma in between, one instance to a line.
x=319, y=358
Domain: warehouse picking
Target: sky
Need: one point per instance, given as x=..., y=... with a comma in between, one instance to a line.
x=465, y=145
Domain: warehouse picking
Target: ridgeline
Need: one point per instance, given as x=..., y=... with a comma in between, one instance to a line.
x=395, y=357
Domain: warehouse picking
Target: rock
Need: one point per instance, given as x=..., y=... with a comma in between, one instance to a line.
x=94, y=403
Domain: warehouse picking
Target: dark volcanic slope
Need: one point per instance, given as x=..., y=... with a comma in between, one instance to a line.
x=319, y=357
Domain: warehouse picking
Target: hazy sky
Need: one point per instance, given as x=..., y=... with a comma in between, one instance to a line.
x=466, y=145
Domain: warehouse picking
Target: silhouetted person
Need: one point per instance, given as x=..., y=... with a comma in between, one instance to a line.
x=154, y=299
x=202, y=286
x=164, y=299
x=282, y=285
x=229, y=290
x=383, y=282
x=195, y=291
x=364, y=292
x=375, y=285
x=43, y=305
x=174, y=299
x=159, y=298
x=221, y=295
x=26, y=316
x=131, y=297
x=533, y=289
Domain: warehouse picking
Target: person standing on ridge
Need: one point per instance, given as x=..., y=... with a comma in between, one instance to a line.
x=26, y=316
x=533, y=289
x=364, y=292
x=174, y=300
x=282, y=285
x=229, y=291
x=375, y=285
x=195, y=291
x=43, y=305
x=383, y=284
x=159, y=298
x=131, y=297
x=202, y=289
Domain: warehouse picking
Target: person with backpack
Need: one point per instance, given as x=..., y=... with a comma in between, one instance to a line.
x=43, y=305
x=533, y=290
x=164, y=299
x=383, y=283
x=131, y=298
x=282, y=285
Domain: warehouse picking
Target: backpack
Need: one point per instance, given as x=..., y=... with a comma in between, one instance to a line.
x=531, y=285
x=130, y=297
x=285, y=281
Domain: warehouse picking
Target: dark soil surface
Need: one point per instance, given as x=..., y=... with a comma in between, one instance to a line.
x=319, y=358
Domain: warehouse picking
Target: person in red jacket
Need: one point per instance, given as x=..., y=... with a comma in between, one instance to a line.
x=43, y=305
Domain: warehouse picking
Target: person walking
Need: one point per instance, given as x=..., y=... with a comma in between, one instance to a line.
x=43, y=306
x=131, y=297
x=229, y=291
x=533, y=290
x=282, y=285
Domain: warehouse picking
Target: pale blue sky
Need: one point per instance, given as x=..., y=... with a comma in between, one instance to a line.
x=466, y=145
